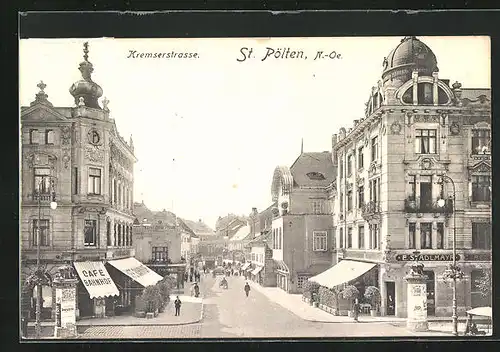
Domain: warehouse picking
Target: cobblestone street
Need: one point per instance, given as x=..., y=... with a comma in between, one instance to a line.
x=229, y=314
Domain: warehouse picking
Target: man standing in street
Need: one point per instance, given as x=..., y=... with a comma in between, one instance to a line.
x=247, y=289
x=177, y=304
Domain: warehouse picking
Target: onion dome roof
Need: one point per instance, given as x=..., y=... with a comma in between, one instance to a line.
x=86, y=88
x=411, y=54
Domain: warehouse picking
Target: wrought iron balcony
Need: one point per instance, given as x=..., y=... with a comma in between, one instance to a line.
x=415, y=205
x=370, y=209
x=44, y=197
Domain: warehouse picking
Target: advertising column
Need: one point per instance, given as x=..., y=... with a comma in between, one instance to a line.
x=65, y=288
x=417, y=299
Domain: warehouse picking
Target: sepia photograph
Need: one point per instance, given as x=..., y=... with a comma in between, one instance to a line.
x=229, y=188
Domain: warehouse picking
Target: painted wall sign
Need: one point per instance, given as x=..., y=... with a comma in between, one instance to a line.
x=426, y=257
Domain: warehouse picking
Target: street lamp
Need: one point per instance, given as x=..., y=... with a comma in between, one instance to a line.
x=41, y=276
x=454, y=270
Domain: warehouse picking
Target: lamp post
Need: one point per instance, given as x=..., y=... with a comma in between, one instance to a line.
x=442, y=203
x=53, y=206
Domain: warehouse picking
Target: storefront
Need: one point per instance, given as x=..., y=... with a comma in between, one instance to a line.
x=95, y=290
x=282, y=276
x=256, y=274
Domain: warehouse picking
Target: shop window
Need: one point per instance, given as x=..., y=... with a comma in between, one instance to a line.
x=374, y=150
x=349, y=165
x=44, y=233
x=425, y=141
x=349, y=200
x=94, y=181
x=481, y=235
x=361, y=196
x=411, y=235
x=320, y=241
x=90, y=233
x=440, y=236
x=349, y=237
x=481, y=188
x=481, y=142
x=46, y=296
x=49, y=137
x=34, y=136
x=361, y=237
x=360, y=158
x=159, y=254
x=426, y=235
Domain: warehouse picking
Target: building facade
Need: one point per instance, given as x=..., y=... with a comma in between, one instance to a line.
x=302, y=223
x=390, y=202
x=75, y=155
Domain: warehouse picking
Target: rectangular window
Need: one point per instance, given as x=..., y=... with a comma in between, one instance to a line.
x=49, y=137
x=374, y=190
x=360, y=158
x=281, y=238
x=481, y=235
x=341, y=202
x=341, y=168
x=440, y=236
x=316, y=207
x=159, y=254
x=411, y=235
x=425, y=193
x=425, y=141
x=41, y=181
x=349, y=200
x=481, y=142
x=426, y=235
x=374, y=148
x=481, y=191
x=320, y=241
x=108, y=233
x=349, y=165
x=361, y=237
x=90, y=233
x=349, y=237
x=34, y=137
x=361, y=196
x=94, y=186
x=44, y=233
x=341, y=238
x=413, y=187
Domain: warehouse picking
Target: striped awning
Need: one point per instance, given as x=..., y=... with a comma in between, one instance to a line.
x=257, y=270
x=343, y=272
x=136, y=271
x=96, y=279
x=245, y=266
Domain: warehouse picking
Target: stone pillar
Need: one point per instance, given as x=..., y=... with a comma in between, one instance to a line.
x=383, y=291
x=417, y=299
x=65, y=288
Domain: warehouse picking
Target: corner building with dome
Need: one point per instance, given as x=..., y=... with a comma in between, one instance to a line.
x=75, y=154
x=390, y=204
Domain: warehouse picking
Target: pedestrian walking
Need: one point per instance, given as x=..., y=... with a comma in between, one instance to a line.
x=355, y=310
x=196, y=290
x=204, y=269
x=177, y=304
x=247, y=289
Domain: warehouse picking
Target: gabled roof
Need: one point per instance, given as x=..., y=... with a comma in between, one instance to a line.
x=261, y=240
x=241, y=234
x=313, y=169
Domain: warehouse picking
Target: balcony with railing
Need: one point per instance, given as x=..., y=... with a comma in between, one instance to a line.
x=371, y=210
x=417, y=205
x=34, y=197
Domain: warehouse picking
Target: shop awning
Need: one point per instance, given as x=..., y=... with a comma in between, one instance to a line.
x=343, y=272
x=257, y=270
x=136, y=271
x=245, y=266
x=96, y=279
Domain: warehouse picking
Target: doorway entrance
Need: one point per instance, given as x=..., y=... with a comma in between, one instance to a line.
x=85, y=303
x=431, y=293
x=390, y=300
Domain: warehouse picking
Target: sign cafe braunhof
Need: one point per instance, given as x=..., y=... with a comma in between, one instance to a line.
x=426, y=257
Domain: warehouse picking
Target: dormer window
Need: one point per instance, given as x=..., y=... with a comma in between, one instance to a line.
x=481, y=141
x=316, y=176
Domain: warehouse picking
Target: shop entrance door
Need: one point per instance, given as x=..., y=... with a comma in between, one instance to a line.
x=390, y=300
x=85, y=303
x=431, y=293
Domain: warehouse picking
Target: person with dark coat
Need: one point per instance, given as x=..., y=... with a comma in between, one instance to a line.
x=355, y=309
x=177, y=304
x=196, y=290
x=247, y=289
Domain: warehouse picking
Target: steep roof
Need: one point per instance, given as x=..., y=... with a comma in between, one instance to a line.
x=313, y=169
x=199, y=227
x=164, y=217
x=241, y=234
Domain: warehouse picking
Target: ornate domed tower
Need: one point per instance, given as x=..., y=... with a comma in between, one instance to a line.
x=410, y=55
x=85, y=91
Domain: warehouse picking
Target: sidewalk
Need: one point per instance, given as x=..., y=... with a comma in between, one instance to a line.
x=294, y=303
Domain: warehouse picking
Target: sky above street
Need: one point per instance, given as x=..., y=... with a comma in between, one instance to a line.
x=209, y=131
